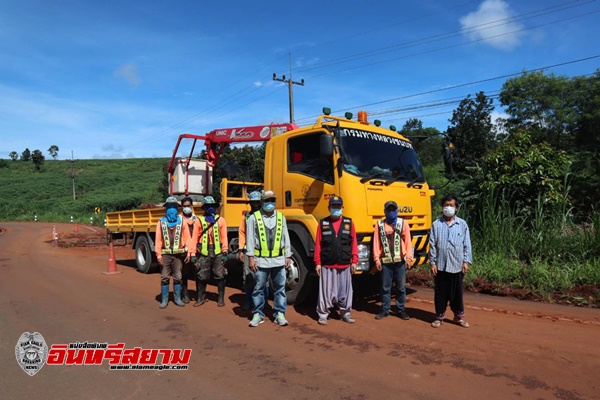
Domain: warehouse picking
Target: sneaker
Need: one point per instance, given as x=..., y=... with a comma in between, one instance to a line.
x=322, y=321
x=256, y=320
x=348, y=318
x=403, y=315
x=382, y=315
x=280, y=319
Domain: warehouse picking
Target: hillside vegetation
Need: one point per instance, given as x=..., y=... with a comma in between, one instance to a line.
x=111, y=185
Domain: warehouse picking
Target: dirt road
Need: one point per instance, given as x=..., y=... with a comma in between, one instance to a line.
x=513, y=349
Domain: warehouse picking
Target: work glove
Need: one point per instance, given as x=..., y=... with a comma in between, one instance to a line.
x=224, y=257
x=194, y=259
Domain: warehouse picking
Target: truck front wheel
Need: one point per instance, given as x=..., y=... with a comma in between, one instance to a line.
x=144, y=256
x=297, y=280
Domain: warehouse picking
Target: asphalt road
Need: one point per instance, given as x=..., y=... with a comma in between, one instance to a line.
x=513, y=349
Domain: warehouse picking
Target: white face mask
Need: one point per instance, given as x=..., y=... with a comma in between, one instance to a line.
x=449, y=211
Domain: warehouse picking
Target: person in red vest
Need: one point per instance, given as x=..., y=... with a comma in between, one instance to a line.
x=336, y=256
x=172, y=248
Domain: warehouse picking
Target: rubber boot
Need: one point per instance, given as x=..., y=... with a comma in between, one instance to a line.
x=177, y=295
x=164, y=295
x=221, y=288
x=184, y=292
x=201, y=288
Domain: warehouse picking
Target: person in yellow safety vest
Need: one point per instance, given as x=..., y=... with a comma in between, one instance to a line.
x=189, y=268
x=247, y=274
x=269, y=255
x=211, y=247
x=392, y=254
x=172, y=247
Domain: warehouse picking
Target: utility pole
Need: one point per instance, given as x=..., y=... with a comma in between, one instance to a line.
x=73, y=174
x=290, y=83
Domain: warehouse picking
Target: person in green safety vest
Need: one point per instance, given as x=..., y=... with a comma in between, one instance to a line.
x=393, y=255
x=211, y=248
x=269, y=255
x=247, y=274
x=173, y=245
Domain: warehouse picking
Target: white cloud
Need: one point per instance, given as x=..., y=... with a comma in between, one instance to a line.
x=129, y=73
x=490, y=22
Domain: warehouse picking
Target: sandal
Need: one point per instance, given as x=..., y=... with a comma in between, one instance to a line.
x=462, y=323
x=437, y=323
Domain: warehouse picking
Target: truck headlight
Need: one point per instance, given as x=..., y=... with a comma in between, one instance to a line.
x=363, y=258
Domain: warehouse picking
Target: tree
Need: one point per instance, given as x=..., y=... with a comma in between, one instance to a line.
x=13, y=155
x=472, y=131
x=542, y=105
x=524, y=170
x=26, y=155
x=53, y=151
x=3, y=163
x=38, y=159
x=426, y=141
x=244, y=163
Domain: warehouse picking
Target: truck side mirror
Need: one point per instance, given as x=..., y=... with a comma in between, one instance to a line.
x=326, y=145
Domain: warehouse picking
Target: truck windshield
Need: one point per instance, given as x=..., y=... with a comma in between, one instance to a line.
x=375, y=156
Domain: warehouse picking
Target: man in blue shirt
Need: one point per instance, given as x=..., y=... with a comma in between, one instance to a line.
x=450, y=258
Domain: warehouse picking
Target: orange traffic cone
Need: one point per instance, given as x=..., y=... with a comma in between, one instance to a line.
x=112, y=265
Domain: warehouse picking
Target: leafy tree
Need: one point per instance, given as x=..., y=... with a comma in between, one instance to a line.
x=472, y=131
x=244, y=163
x=565, y=112
x=3, y=163
x=53, y=151
x=38, y=159
x=543, y=105
x=13, y=155
x=525, y=170
x=426, y=141
x=26, y=155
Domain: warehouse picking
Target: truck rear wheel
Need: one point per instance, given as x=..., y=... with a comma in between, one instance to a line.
x=144, y=257
x=297, y=283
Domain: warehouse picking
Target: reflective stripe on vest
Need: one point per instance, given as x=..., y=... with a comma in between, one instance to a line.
x=387, y=255
x=167, y=249
x=217, y=237
x=264, y=250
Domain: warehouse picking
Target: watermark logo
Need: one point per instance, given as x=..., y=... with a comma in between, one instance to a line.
x=31, y=352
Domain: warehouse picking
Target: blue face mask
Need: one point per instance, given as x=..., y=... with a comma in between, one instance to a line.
x=391, y=215
x=171, y=214
x=187, y=210
x=336, y=212
x=209, y=211
x=268, y=207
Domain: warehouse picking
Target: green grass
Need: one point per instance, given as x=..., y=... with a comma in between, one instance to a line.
x=112, y=185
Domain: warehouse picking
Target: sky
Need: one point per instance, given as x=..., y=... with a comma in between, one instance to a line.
x=123, y=79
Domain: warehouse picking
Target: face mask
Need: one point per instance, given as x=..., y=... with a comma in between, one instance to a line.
x=254, y=207
x=336, y=212
x=171, y=214
x=391, y=215
x=209, y=211
x=187, y=210
x=449, y=211
x=268, y=207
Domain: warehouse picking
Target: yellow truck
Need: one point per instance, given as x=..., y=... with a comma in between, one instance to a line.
x=360, y=161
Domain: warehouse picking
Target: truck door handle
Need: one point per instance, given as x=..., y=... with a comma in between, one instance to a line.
x=288, y=198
